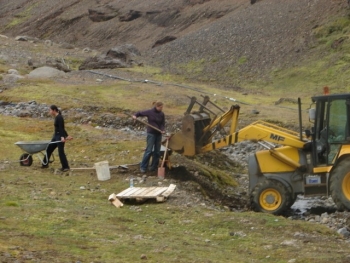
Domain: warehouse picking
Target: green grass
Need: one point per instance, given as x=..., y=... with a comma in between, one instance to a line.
x=52, y=218
x=242, y=60
x=58, y=219
x=21, y=17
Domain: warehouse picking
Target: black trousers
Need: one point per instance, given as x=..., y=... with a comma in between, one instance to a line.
x=61, y=153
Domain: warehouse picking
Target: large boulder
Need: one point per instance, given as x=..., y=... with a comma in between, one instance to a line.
x=117, y=57
x=102, y=61
x=125, y=52
x=50, y=62
x=46, y=72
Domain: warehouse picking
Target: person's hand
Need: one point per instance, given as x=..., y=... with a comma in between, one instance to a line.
x=69, y=138
x=134, y=117
x=63, y=139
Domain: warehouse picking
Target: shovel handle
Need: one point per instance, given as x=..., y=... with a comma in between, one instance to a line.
x=165, y=151
x=145, y=123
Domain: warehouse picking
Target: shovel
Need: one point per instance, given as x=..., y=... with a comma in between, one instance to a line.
x=161, y=169
x=145, y=123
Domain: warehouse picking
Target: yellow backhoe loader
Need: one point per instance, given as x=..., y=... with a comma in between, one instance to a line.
x=313, y=162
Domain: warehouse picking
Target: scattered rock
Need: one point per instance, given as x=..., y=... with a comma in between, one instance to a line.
x=45, y=72
x=12, y=71
x=66, y=45
x=292, y=242
x=163, y=41
x=132, y=15
x=48, y=43
x=21, y=38
x=50, y=62
x=344, y=232
x=102, y=14
x=117, y=57
x=11, y=78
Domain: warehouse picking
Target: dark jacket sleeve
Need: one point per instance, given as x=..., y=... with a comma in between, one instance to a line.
x=60, y=126
x=143, y=113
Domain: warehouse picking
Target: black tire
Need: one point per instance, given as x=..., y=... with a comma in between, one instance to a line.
x=25, y=160
x=340, y=184
x=292, y=200
x=292, y=197
x=270, y=196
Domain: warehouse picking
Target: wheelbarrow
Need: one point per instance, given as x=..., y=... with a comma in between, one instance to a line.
x=34, y=147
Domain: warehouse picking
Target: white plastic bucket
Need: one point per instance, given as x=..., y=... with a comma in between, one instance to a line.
x=102, y=170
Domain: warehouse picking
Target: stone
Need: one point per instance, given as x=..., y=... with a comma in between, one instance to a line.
x=45, y=72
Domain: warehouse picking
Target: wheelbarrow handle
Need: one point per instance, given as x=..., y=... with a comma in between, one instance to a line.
x=54, y=142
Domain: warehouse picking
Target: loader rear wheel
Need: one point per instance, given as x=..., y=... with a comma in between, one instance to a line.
x=340, y=185
x=292, y=200
x=270, y=196
x=26, y=159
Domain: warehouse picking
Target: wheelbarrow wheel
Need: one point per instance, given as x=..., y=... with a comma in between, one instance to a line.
x=26, y=159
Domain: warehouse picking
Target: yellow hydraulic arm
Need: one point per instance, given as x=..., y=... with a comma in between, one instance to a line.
x=258, y=131
x=194, y=138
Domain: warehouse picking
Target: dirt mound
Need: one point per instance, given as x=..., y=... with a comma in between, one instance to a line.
x=197, y=183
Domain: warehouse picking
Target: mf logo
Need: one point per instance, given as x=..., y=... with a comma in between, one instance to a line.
x=276, y=137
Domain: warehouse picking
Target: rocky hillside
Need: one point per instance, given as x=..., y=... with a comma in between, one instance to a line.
x=203, y=39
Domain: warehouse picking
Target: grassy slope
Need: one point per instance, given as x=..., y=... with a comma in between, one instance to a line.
x=48, y=216
x=328, y=66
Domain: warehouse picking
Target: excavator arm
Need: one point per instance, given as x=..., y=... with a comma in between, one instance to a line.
x=258, y=131
x=199, y=129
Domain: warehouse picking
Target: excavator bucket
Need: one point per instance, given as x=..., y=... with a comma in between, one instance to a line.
x=183, y=142
x=191, y=137
x=199, y=128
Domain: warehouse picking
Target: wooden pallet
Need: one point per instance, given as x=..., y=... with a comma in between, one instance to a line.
x=140, y=193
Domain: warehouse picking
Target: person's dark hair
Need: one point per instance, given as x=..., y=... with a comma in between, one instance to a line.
x=55, y=108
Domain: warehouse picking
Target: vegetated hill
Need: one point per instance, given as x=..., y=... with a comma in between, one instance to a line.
x=211, y=40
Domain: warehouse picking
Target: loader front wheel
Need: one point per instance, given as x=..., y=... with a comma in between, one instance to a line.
x=25, y=160
x=270, y=196
x=340, y=185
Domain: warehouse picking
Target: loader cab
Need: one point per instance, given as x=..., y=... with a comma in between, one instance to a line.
x=331, y=127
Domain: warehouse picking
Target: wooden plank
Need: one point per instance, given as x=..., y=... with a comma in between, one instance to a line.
x=140, y=191
x=123, y=192
x=116, y=202
x=118, y=166
x=170, y=189
x=146, y=190
x=128, y=191
x=160, y=199
x=157, y=191
x=83, y=168
x=161, y=193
